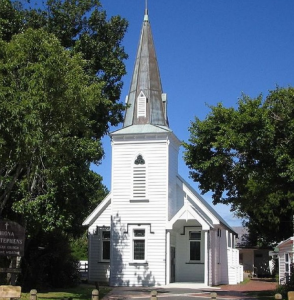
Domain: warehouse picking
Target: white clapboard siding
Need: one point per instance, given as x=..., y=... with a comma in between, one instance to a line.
x=127, y=212
x=223, y=266
x=233, y=266
x=285, y=247
x=98, y=271
x=191, y=272
x=102, y=220
x=160, y=198
x=125, y=273
x=173, y=205
x=214, y=257
x=220, y=258
x=210, y=256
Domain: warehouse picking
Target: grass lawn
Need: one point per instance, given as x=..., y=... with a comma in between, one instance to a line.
x=82, y=292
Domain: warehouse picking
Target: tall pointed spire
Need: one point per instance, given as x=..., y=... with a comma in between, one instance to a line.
x=146, y=10
x=147, y=103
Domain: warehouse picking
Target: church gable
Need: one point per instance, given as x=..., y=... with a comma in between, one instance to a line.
x=102, y=208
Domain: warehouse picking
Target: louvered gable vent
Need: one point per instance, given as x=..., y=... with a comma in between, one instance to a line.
x=141, y=109
x=139, y=178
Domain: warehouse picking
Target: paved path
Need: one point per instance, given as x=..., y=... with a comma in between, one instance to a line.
x=192, y=291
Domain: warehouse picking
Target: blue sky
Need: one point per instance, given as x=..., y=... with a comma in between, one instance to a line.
x=209, y=51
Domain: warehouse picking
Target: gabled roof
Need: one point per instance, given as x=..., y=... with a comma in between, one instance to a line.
x=146, y=81
x=98, y=210
x=287, y=242
x=190, y=212
x=203, y=208
x=194, y=208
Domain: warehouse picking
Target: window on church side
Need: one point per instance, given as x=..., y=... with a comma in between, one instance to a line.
x=195, y=245
x=233, y=241
x=139, y=244
x=229, y=240
x=105, y=245
x=287, y=264
x=219, y=233
x=141, y=105
x=139, y=178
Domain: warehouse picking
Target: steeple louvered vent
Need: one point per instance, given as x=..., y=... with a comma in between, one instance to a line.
x=141, y=112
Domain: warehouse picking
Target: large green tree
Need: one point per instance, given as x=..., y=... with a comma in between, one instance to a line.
x=245, y=157
x=47, y=133
x=81, y=27
x=61, y=66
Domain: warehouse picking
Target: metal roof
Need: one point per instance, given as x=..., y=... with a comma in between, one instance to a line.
x=146, y=79
x=144, y=129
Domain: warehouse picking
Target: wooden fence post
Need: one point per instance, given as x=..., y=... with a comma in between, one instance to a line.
x=33, y=295
x=153, y=295
x=213, y=295
x=95, y=295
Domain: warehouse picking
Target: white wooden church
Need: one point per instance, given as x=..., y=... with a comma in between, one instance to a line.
x=153, y=228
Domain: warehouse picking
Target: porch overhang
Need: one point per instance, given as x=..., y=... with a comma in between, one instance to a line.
x=189, y=212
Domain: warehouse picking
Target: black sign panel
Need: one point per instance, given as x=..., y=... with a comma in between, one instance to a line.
x=12, y=238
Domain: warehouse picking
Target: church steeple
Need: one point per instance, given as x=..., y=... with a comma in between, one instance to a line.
x=147, y=103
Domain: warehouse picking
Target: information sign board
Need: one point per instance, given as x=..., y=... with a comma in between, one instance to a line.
x=12, y=238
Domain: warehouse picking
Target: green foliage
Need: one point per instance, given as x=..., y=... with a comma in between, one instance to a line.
x=82, y=27
x=11, y=19
x=48, y=263
x=282, y=289
x=79, y=247
x=61, y=65
x=47, y=136
x=60, y=82
x=245, y=157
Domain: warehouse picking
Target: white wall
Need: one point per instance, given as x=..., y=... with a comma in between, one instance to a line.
x=98, y=271
x=152, y=211
x=174, y=200
x=286, y=248
x=185, y=271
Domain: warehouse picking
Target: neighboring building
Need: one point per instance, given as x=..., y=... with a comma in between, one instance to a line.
x=256, y=261
x=153, y=228
x=285, y=253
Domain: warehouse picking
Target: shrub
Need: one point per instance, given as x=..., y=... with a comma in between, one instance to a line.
x=48, y=263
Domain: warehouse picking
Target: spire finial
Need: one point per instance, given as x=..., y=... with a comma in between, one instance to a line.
x=146, y=11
